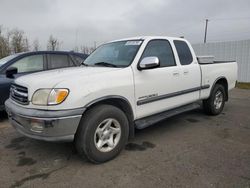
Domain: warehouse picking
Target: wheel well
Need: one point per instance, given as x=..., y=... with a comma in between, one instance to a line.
x=223, y=82
x=121, y=104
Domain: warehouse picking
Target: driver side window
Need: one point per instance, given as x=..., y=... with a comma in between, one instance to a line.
x=161, y=49
x=29, y=64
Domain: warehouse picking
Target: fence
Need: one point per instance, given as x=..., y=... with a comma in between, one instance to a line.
x=233, y=50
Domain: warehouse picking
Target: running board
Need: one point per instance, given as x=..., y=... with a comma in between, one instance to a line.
x=150, y=120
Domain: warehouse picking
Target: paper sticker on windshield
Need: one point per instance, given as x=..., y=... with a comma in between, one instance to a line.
x=133, y=42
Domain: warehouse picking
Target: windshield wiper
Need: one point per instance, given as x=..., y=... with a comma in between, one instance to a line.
x=105, y=64
x=82, y=63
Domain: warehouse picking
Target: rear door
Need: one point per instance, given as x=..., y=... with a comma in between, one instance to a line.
x=189, y=70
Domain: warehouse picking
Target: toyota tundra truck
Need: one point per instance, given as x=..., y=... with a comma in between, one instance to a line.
x=123, y=85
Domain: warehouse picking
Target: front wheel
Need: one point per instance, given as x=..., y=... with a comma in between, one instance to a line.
x=102, y=134
x=215, y=103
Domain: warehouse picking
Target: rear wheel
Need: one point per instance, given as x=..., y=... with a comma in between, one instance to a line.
x=215, y=103
x=102, y=134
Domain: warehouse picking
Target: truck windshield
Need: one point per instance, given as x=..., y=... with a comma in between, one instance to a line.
x=6, y=59
x=115, y=54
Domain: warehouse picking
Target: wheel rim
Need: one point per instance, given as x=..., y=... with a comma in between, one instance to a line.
x=107, y=135
x=218, y=100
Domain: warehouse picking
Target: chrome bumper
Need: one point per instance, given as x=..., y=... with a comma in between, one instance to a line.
x=48, y=125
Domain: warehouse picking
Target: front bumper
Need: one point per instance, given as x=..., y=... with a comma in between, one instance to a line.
x=48, y=125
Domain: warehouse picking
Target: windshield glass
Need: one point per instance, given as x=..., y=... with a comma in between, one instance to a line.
x=6, y=59
x=115, y=54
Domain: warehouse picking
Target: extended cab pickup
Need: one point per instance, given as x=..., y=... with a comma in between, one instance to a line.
x=123, y=85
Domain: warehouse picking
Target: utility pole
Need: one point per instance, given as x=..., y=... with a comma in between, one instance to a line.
x=76, y=40
x=205, y=37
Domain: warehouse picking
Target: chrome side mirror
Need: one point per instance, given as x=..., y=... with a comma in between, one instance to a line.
x=149, y=63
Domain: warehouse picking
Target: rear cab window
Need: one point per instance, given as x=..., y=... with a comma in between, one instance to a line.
x=184, y=53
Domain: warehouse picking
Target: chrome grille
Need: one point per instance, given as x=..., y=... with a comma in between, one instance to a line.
x=19, y=94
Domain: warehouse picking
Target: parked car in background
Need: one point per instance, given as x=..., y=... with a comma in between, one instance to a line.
x=16, y=65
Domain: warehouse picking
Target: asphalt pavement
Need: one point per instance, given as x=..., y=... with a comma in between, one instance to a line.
x=188, y=150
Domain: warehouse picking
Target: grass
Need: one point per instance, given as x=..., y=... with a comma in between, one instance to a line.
x=243, y=85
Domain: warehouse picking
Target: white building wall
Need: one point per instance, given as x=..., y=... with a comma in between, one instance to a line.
x=233, y=50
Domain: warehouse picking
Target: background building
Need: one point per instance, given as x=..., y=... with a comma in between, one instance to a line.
x=233, y=50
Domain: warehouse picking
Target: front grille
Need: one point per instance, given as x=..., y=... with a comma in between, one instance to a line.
x=19, y=94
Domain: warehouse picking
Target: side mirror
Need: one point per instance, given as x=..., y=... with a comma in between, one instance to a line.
x=149, y=63
x=10, y=72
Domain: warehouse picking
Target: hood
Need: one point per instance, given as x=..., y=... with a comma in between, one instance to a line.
x=49, y=79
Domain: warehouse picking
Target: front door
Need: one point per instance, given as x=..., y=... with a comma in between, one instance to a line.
x=156, y=89
x=25, y=65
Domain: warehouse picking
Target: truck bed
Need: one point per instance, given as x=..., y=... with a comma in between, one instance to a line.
x=218, y=69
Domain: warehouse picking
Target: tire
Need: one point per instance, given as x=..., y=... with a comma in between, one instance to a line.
x=214, y=105
x=93, y=132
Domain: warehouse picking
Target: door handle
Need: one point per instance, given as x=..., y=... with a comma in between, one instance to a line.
x=185, y=72
x=176, y=73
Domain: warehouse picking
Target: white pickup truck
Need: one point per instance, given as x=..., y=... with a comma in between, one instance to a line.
x=123, y=85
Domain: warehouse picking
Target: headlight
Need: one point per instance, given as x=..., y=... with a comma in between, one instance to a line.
x=49, y=96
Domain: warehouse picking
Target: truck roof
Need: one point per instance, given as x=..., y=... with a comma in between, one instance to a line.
x=148, y=38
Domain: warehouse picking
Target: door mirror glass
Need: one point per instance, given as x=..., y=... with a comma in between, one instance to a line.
x=149, y=63
x=10, y=72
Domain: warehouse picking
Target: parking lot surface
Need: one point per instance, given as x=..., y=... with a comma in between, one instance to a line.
x=188, y=150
